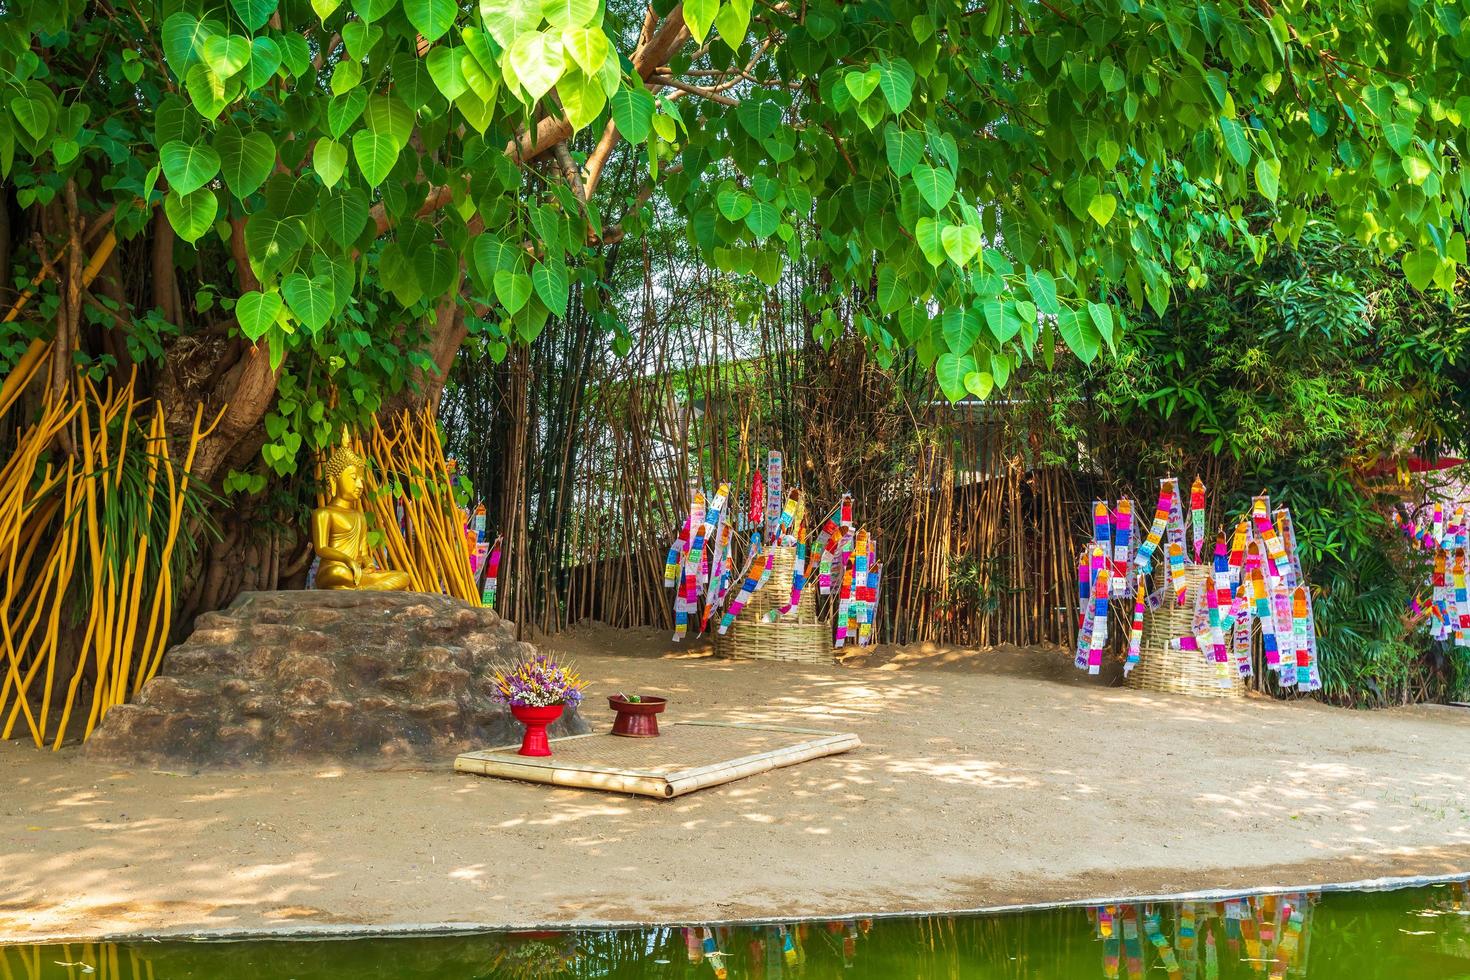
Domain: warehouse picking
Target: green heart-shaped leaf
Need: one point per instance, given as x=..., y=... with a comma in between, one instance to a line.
x=935, y=184
x=861, y=84
x=398, y=275
x=1235, y=142
x=896, y=79
x=1420, y=266
x=346, y=76
x=245, y=160
x=256, y=312
x=376, y=153
x=191, y=214
x=265, y=61
x=960, y=328
x=979, y=383
x=891, y=293
x=904, y=150
x=1267, y=172
x=513, y=289
x=568, y=14
x=271, y=242
x=760, y=117
x=183, y=42
x=227, y=56
x=444, y=69
x=588, y=46
x=329, y=160
x=390, y=116
x=343, y=111
x=733, y=203
x=33, y=114
x=344, y=214
x=931, y=242
x=481, y=80
x=479, y=114
x=552, y=285
x=779, y=149
x=436, y=269
x=632, y=110
x=699, y=15
x=1002, y=319
x=1102, y=207
x=1079, y=193
x=763, y=219
x=534, y=62
x=371, y=10
x=310, y=299
x=206, y=90
x=951, y=370
x=961, y=242
x=1102, y=318
x=582, y=99
x=733, y=21
x=508, y=19
x=431, y=18
x=1000, y=367
x=1079, y=333
x=1043, y=290
x=359, y=37
x=188, y=166
x=253, y=13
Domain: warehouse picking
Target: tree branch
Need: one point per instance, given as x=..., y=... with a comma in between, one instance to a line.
x=669, y=37
x=706, y=93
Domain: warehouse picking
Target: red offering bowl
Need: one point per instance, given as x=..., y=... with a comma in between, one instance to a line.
x=637, y=719
x=536, y=720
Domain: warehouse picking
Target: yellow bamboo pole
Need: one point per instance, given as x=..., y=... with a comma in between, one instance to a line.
x=32, y=611
x=69, y=534
x=95, y=554
x=176, y=514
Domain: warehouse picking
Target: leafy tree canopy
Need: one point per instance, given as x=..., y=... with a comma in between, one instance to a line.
x=976, y=179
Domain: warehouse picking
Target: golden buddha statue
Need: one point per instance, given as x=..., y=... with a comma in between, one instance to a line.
x=339, y=531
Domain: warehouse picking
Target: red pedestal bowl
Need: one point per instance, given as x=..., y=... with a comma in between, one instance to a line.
x=536, y=720
x=637, y=719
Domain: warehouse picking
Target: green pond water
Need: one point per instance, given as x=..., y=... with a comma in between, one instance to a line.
x=1394, y=935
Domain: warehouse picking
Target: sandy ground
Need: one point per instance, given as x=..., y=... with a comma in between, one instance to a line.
x=985, y=779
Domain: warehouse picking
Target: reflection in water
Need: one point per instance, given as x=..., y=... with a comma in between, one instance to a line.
x=1413, y=933
x=1265, y=936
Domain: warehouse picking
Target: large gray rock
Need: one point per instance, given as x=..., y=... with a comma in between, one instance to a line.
x=366, y=678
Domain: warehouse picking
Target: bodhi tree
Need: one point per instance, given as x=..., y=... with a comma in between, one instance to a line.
x=295, y=211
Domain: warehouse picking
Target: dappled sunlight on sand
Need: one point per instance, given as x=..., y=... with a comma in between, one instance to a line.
x=977, y=781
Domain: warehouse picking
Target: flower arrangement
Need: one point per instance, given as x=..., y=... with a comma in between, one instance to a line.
x=537, y=681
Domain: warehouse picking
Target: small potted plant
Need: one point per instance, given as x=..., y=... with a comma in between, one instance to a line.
x=637, y=714
x=537, y=689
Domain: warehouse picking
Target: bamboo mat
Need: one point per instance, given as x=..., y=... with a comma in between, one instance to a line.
x=685, y=757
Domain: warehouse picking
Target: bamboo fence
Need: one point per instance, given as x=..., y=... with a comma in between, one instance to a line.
x=590, y=460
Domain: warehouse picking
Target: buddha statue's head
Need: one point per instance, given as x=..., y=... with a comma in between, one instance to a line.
x=344, y=472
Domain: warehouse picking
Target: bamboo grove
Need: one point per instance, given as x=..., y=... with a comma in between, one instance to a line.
x=592, y=457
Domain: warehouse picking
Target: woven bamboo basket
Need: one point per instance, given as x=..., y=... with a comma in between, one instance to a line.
x=1189, y=672
x=797, y=637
